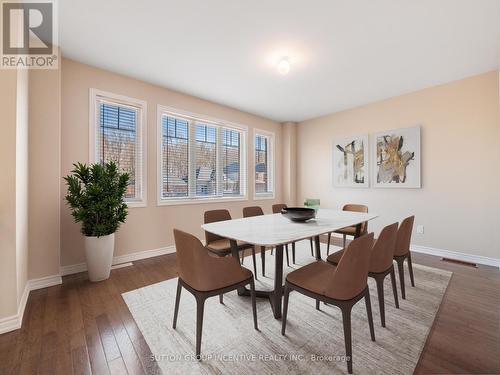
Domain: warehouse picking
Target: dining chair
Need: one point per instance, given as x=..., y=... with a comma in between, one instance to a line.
x=313, y=203
x=221, y=246
x=402, y=252
x=381, y=264
x=276, y=210
x=342, y=285
x=350, y=231
x=257, y=211
x=205, y=276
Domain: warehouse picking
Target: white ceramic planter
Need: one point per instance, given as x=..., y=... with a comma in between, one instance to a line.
x=99, y=255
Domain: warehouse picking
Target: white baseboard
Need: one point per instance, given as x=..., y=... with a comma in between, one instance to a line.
x=495, y=262
x=13, y=322
x=120, y=259
x=44, y=282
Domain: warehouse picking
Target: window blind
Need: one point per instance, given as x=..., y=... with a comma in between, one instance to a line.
x=118, y=139
x=231, y=162
x=205, y=154
x=175, y=157
x=200, y=159
x=263, y=166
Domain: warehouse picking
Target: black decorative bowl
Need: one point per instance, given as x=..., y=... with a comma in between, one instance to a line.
x=299, y=214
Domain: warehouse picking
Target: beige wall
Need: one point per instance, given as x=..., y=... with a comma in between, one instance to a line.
x=13, y=189
x=22, y=181
x=150, y=227
x=8, y=270
x=460, y=196
x=44, y=172
x=289, y=164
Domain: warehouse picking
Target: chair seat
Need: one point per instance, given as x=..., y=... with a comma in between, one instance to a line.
x=313, y=277
x=223, y=247
x=334, y=258
x=350, y=231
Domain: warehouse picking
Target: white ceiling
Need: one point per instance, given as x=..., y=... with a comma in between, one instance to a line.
x=343, y=53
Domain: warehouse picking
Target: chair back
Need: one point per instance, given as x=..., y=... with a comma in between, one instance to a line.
x=252, y=211
x=278, y=207
x=351, y=274
x=383, y=249
x=358, y=208
x=212, y=217
x=404, y=236
x=191, y=259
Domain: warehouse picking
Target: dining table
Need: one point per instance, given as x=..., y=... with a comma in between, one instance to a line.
x=276, y=231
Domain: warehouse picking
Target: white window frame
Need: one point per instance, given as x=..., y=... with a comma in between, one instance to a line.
x=165, y=110
x=271, y=155
x=141, y=165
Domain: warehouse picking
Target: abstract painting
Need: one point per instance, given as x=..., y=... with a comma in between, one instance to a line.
x=350, y=162
x=396, y=158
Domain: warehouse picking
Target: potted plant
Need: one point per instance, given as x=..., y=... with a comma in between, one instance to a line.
x=95, y=196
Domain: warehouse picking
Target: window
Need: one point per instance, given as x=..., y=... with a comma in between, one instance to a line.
x=199, y=159
x=116, y=134
x=264, y=167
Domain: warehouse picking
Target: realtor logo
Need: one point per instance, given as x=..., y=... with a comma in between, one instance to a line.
x=29, y=35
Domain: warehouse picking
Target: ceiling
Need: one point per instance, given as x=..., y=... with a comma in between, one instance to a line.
x=343, y=53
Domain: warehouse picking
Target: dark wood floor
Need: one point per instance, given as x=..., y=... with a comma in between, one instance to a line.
x=81, y=327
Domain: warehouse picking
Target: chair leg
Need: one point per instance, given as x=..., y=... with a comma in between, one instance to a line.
x=328, y=243
x=293, y=252
x=285, y=309
x=263, y=259
x=254, y=305
x=221, y=299
x=317, y=305
x=272, y=250
x=394, y=288
x=254, y=263
x=311, y=242
x=401, y=276
x=242, y=256
x=200, y=307
x=287, y=259
x=346, y=320
x=380, y=292
x=410, y=268
x=177, y=301
x=369, y=313
x=344, y=237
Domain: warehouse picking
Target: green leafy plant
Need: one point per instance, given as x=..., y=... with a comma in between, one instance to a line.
x=95, y=196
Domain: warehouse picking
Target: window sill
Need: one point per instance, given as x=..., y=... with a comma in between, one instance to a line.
x=183, y=201
x=136, y=204
x=258, y=197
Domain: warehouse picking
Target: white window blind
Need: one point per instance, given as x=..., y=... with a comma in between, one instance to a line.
x=264, y=178
x=175, y=158
x=118, y=138
x=200, y=159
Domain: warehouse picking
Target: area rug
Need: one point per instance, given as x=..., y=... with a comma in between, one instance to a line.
x=314, y=341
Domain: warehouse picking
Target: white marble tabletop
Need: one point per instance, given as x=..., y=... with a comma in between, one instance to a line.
x=273, y=230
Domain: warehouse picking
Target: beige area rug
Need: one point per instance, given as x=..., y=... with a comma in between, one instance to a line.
x=314, y=341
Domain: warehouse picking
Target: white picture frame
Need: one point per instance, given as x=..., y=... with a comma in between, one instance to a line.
x=396, y=158
x=351, y=166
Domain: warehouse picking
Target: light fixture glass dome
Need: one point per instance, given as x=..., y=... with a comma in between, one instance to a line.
x=284, y=66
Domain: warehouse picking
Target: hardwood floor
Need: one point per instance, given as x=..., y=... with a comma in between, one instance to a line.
x=81, y=327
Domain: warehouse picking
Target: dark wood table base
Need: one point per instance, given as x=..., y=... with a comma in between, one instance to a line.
x=276, y=296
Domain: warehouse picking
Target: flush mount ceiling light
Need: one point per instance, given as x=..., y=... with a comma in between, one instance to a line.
x=284, y=66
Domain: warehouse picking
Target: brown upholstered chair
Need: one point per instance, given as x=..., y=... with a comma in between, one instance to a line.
x=350, y=231
x=276, y=210
x=380, y=264
x=221, y=246
x=206, y=276
x=342, y=285
x=402, y=252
